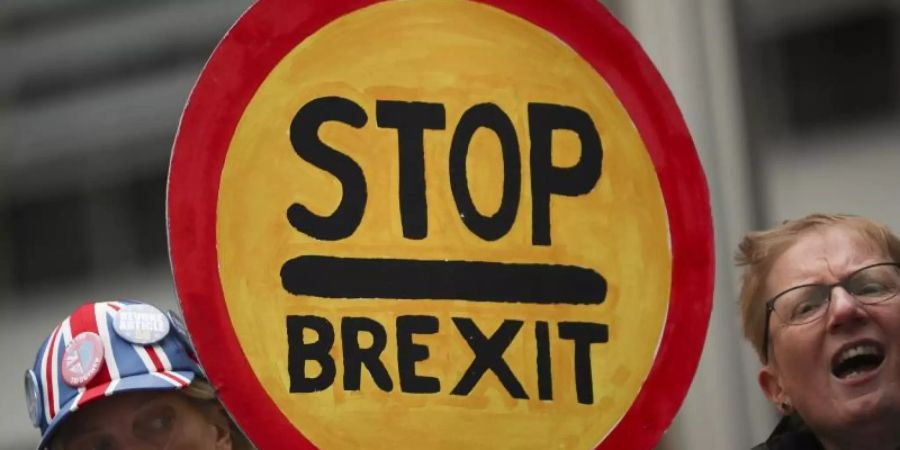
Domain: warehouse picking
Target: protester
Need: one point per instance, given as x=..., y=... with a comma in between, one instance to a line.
x=819, y=303
x=121, y=375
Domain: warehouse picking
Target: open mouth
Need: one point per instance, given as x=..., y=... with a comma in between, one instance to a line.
x=857, y=359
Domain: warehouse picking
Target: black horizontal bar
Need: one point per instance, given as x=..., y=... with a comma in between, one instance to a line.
x=361, y=278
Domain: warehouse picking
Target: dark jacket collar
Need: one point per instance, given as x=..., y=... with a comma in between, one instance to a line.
x=791, y=434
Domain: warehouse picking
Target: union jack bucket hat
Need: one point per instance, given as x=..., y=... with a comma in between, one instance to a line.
x=103, y=349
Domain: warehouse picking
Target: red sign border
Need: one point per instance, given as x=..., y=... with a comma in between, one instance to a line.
x=243, y=60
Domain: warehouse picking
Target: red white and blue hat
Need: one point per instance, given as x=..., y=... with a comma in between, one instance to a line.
x=103, y=349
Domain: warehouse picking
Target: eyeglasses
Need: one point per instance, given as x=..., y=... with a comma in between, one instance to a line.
x=807, y=303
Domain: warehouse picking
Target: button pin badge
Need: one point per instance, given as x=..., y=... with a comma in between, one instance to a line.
x=180, y=329
x=82, y=359
x=141, y=324
x=33, y=398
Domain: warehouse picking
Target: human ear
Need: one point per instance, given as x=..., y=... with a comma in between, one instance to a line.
x=770, y=383
x=219, y=420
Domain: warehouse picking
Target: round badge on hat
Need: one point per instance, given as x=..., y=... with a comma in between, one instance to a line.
x=180, y=329
x=33, y=398
x=82, y=359
x=177, y=323
x=141, y=324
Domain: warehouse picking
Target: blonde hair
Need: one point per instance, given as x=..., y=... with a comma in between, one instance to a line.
x=200, y=390
x=758, y=251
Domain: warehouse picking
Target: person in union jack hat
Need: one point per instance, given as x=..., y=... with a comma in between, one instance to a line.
x=122, y=375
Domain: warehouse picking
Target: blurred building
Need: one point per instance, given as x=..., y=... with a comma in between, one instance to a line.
x=793, y=106
x=90, y=96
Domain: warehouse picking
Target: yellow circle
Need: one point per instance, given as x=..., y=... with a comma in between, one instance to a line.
x=458, y=54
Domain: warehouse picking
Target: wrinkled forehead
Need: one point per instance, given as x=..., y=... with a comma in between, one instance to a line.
x=116, y=412
x=823, y=255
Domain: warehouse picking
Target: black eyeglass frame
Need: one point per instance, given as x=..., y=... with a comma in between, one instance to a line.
x=770, y=304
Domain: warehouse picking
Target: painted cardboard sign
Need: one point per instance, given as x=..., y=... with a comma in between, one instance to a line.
x=440, y=224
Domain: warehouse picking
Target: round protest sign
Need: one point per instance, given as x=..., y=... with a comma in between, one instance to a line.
x=440, y=224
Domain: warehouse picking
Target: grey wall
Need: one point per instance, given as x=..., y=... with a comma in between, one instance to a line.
x=90, y=96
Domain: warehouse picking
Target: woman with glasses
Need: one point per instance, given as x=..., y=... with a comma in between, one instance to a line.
x=121, y=376
x=820, y=303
